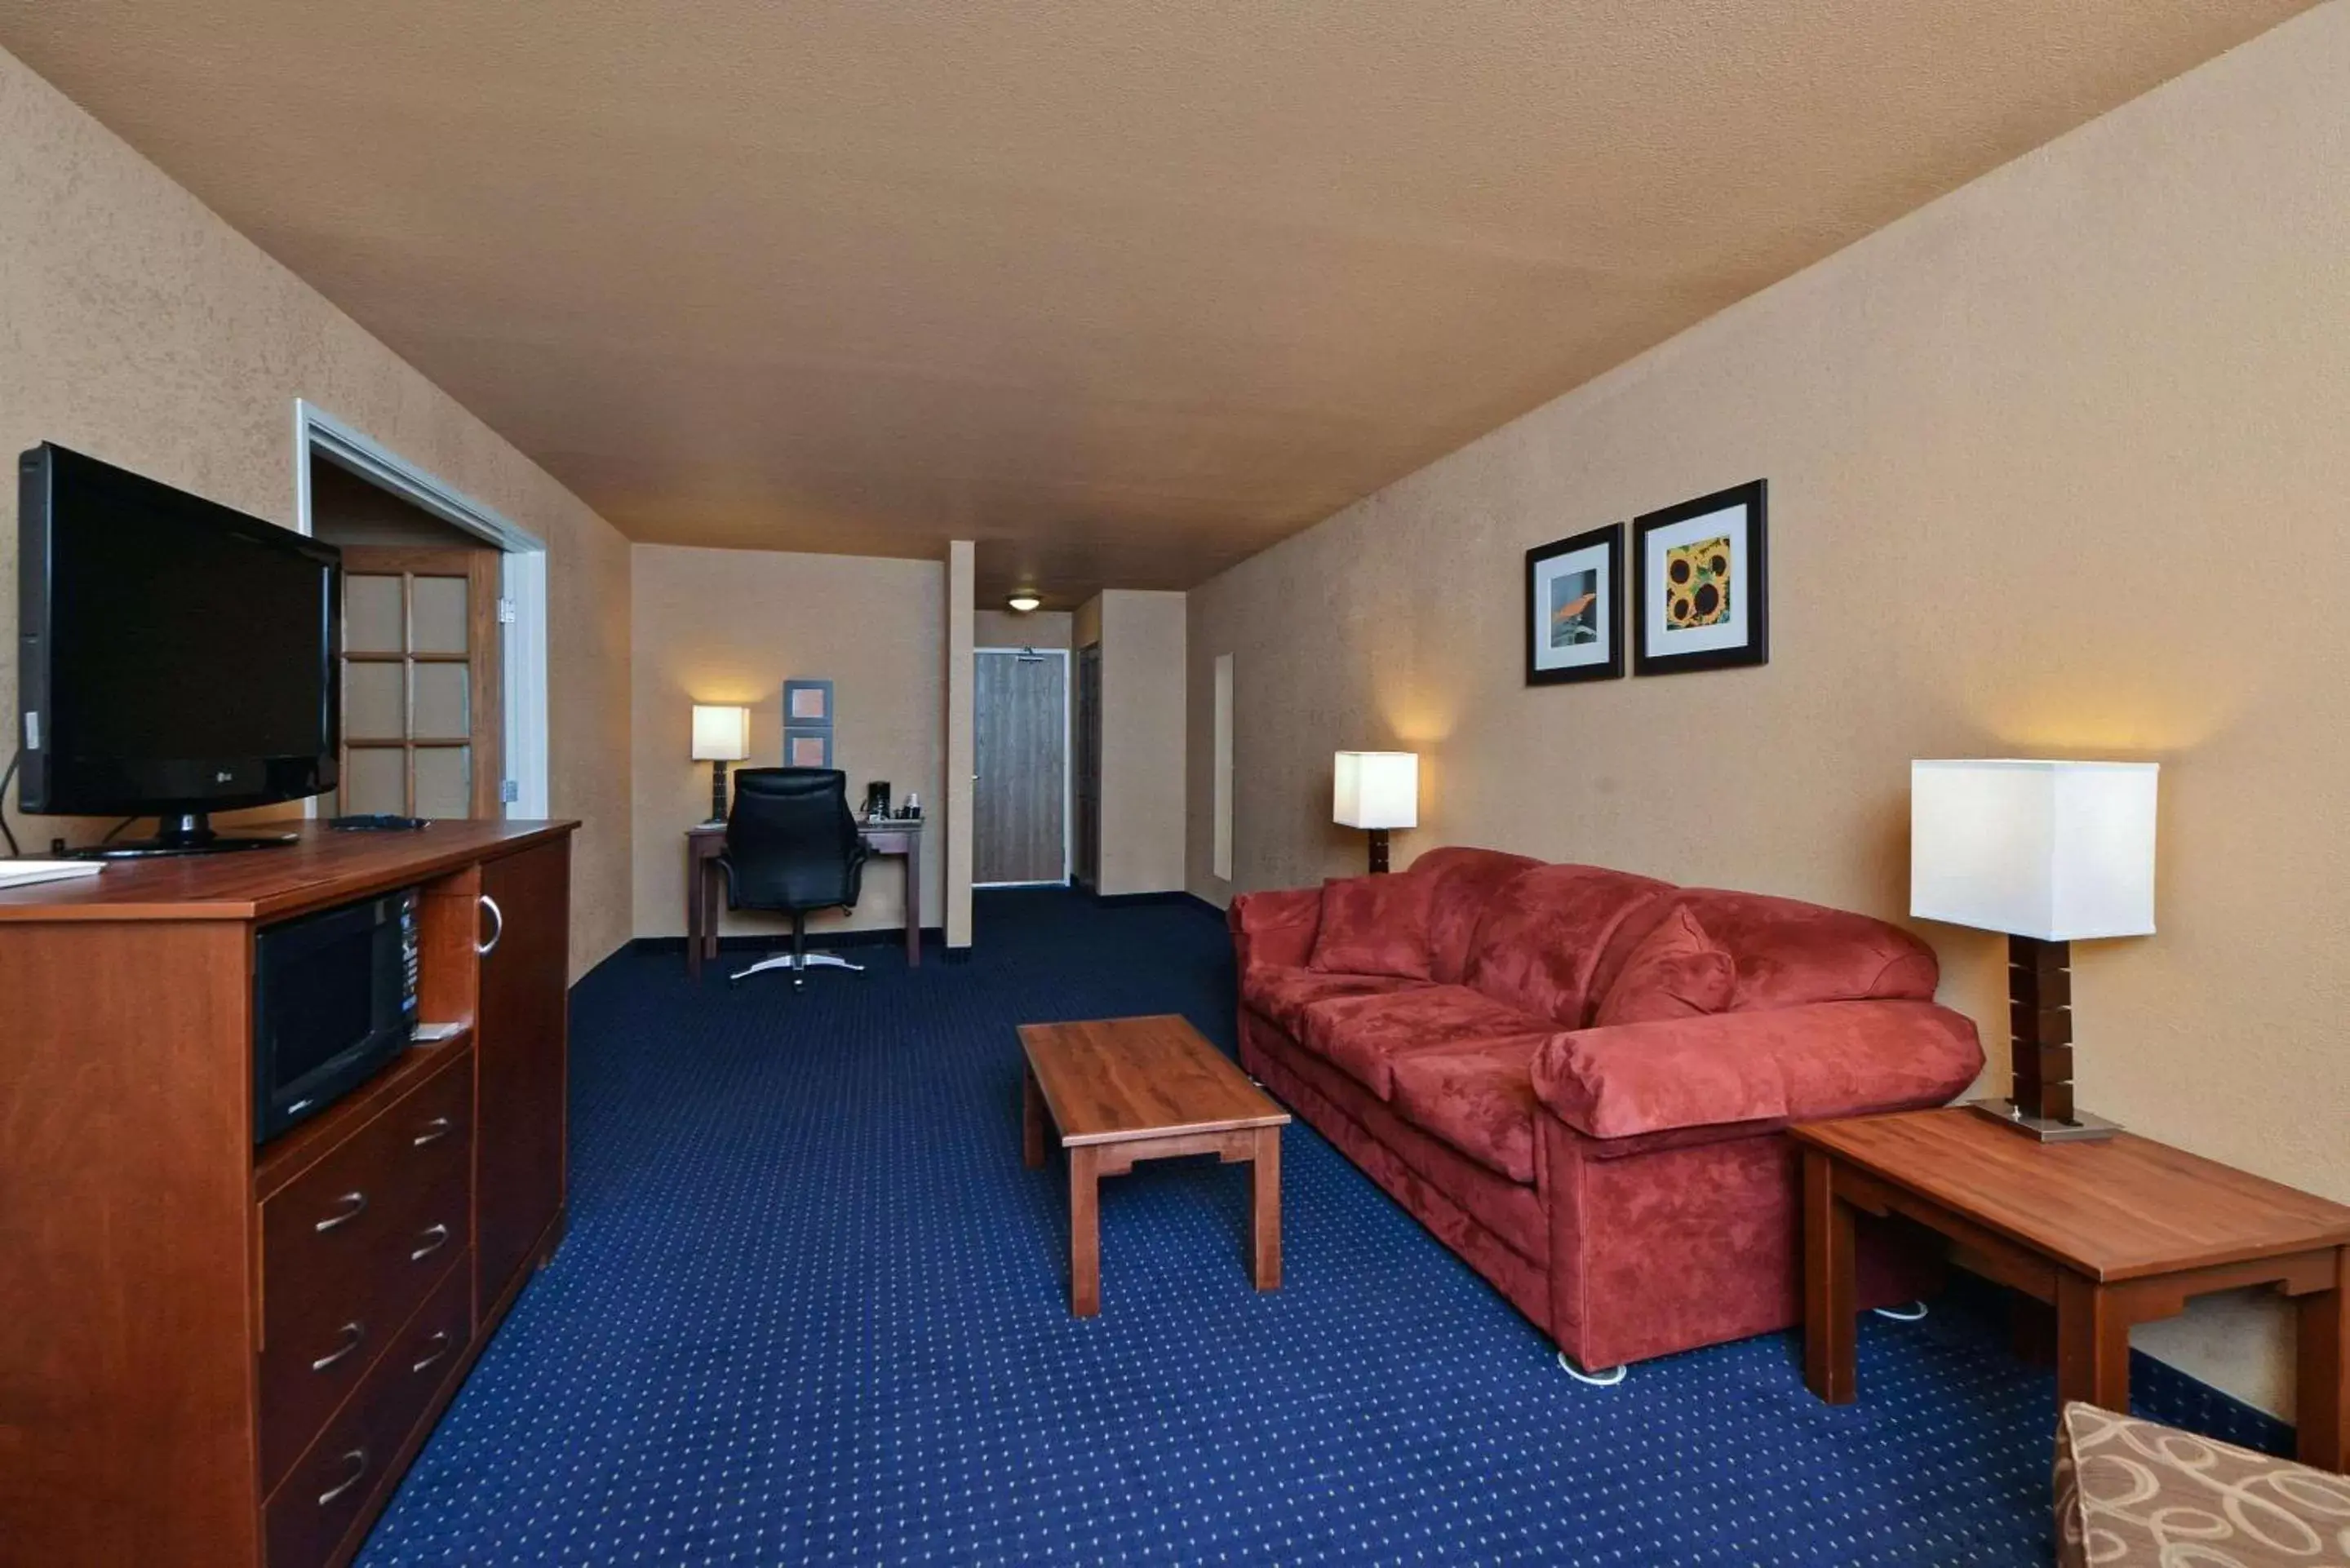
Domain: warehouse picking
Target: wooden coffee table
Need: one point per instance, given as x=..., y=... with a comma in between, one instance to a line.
x=1124, y=1089
x=2110, y=1233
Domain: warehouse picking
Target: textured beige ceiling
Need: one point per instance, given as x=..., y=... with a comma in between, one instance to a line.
x=1125, y=290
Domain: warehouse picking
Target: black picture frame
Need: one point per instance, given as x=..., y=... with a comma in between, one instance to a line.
x=1649, y=591
x=1609, y=595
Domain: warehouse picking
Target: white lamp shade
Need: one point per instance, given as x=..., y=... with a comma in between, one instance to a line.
x=721, y=734
x=1377, y=789
x=2060, y=851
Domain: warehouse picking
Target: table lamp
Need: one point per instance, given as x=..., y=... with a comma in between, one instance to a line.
x=721, y=736
x=2049, y=854
x=1376, y=791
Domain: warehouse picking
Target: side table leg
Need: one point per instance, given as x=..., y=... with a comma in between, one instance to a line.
x=2091, y=1343
x=1032, y=1121
x=1085, y=1230
x=1831, y=1306
x=2323, y=1404
x=1264, y=1208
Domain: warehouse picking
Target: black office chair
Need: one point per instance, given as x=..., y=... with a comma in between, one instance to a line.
x=791, y=846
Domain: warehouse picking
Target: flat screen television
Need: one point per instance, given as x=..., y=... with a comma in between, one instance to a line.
x=178, y=658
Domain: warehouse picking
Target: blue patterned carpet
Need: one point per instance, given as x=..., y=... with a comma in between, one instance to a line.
x=812, y=1310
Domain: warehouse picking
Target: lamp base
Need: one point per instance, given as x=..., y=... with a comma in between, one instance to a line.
x=2085, y=1128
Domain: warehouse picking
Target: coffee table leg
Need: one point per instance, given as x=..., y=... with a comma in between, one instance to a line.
x=1830, y=1306
x=1032, y=1121
x=2323, y=1407
x=1085, y=1230
x=2091, y=1343
x=1264, y=1206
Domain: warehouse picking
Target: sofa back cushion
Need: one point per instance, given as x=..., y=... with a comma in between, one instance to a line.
x=1373, y=925
x=1677, y=970
x=1790, y=953
x=1545, y=931
x=1463, y=883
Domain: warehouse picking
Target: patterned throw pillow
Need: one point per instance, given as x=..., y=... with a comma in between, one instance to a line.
x=2131, y=1494
x=1374, y=925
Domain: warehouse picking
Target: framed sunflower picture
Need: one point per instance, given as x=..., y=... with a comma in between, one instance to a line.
x=1575, y=589
x=1702, y=572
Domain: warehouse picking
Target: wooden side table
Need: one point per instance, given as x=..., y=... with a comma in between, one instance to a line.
x=2110, y=1233
x=899, y=838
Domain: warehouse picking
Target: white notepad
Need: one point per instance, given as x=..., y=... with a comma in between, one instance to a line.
x=24, y=872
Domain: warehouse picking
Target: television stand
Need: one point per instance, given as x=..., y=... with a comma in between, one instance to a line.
x=181, y=833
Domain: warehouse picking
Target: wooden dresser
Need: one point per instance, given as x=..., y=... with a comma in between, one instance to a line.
x=217, y=1354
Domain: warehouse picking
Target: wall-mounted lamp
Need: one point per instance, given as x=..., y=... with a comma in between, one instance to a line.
x=1023, y=601
x=1376, y=791
x=721, y=736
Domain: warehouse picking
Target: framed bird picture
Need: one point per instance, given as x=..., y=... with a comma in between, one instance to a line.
x=1575, y=597
x=1701, y=582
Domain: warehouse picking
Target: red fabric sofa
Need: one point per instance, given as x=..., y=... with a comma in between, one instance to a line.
x=1577, y=1077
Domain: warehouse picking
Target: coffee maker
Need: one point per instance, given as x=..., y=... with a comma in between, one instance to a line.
x=876, y=800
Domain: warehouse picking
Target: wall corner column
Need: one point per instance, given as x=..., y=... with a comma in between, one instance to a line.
x=961, y=627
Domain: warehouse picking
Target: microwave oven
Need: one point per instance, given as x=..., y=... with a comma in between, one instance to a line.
x=334, y=999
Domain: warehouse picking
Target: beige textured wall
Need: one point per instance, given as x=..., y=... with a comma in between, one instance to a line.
x=731, y=626
x=137, y=327
x=1142, y=635
x=2055, y=464
x=1038, y=629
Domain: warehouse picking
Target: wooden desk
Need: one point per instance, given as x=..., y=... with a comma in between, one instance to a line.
x=2110, y=1233
x=898, y=838
x=1146, y=1088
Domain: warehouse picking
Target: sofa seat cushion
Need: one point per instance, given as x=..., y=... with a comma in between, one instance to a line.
x=1480, y=1099
x=1283, y=994
x=1675, y=971
x=1363, y=1035
x=1374, y=925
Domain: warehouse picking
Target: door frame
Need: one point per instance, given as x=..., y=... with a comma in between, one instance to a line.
x=522, y=583
x=1068, y=761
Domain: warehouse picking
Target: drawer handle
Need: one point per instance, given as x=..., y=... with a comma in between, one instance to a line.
x=354, y=1335
x=497, y=925
x=357, y=1460
x=434, y=1131
x=436, y=1237
x=444, y=1344
x=354, y=1205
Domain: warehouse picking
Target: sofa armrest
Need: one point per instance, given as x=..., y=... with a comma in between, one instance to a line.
x=1275, y=928
x=1784, y=1064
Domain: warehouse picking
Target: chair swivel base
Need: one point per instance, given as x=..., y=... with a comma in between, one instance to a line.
x=798, y=966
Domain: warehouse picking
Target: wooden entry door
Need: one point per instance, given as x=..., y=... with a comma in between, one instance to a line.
x=1020, y=733
x=423, y=726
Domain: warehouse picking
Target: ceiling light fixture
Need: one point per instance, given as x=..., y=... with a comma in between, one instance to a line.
x=1023, y=601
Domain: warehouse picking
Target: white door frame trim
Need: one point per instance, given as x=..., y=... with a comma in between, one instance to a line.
x=523, y=661
x=1068, y=760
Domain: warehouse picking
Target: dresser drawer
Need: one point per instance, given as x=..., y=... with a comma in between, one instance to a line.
x=349, y=1248
x=346, y=1472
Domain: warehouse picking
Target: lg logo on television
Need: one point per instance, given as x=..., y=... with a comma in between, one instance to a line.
x=223, y=776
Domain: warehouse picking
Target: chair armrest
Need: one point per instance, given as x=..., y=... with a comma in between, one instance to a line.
x=1789, y=1064
x=1275, y=928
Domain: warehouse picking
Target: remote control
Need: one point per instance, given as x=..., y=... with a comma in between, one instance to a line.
x=376, y=822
